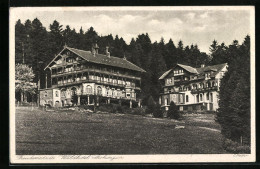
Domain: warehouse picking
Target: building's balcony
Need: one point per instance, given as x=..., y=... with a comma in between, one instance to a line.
x=204, y=89
x=179, y=82
x=107, y=96
x=79, y=70
x=59, y=84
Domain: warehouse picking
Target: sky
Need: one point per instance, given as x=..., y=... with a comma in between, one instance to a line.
x=192, y=26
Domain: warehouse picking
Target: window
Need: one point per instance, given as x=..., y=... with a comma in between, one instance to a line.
x=109, y=92
x=166, y=101
x=181, y=71
x=73, y=91
x=57, y=94
x=89, y=90
x=169, y=81
x=99, y=90
x=119, y=93
x=127, y=83
x=211, y=97
x=98, y=78
x=197, y=97
x=63, y=93
x=123, y=93
x=187, y=98
x=176, y=72
x=181, y=98
x=114, y=81
x=201, y=97
x=114, y=93
x=209, y=84
x=207, y=96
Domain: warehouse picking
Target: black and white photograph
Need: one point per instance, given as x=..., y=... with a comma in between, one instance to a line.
x=132, y=84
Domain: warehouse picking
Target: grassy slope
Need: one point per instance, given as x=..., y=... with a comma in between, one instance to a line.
x=54, y=133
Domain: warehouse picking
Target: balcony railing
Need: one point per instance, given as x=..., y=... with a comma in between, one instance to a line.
x=204, y=89
x=109, y=96
x=95, y=81
x=79, y=70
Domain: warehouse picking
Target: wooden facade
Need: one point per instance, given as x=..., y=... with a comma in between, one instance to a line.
x=90, y=77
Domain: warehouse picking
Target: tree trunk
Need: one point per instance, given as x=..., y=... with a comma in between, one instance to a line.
x=22, y=96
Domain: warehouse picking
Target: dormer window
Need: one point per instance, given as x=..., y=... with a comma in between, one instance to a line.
x=176, y=72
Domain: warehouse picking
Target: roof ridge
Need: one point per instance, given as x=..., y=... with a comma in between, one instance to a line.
x=90, y=52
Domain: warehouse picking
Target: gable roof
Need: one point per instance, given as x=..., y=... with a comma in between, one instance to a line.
x=103, y=59
x=165, y=74
x=215, y=68
x=188, y=68
x=199, y=71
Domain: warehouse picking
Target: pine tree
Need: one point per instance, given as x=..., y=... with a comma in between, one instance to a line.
x=234, y=104
x=55, y=37
x=19, y=33
x=218, y=54
x=157, y=67
x=90, y=38
x=170, y=58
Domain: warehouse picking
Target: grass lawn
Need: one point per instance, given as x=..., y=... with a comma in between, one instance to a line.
x=55, y=133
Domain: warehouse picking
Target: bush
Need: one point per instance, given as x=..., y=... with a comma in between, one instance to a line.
x=235, y=147
x=105, y=108
x=119, y=109
x=138, y=111
x=173, y=111
x=157, y=111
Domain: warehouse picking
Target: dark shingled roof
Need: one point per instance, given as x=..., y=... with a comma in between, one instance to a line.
x=214, y=68
x=103, y=59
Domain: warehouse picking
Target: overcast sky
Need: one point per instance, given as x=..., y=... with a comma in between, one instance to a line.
x=199, y=27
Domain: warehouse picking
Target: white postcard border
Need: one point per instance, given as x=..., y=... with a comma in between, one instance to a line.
x=158, y=158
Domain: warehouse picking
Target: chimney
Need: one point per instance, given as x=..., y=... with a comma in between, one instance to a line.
x=107, y=53
x=95, y=48
x=202, y=65
x=93, y=51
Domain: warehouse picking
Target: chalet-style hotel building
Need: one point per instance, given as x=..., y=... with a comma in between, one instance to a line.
x=91, y=77
x=192, y=89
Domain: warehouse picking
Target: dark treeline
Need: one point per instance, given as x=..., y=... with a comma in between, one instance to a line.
x=37, y=44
